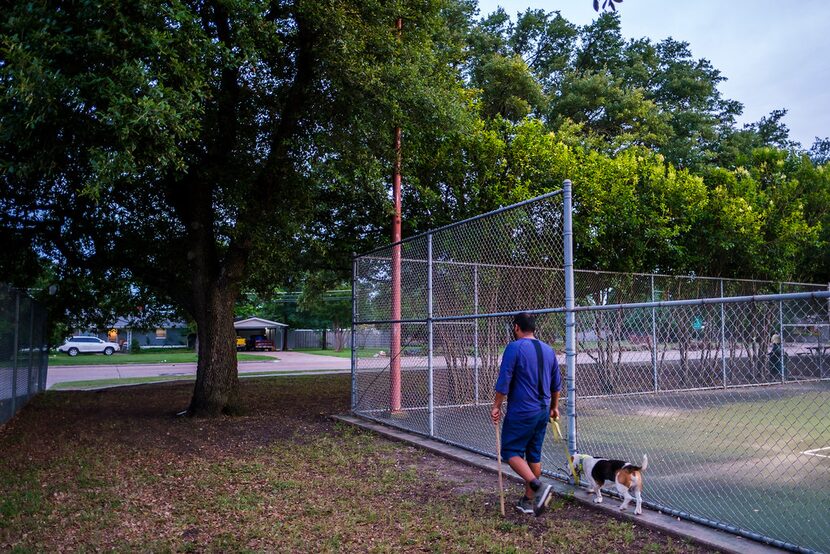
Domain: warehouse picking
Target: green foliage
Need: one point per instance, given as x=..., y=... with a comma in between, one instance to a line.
x=653, y=151
x=623, y=93
x=509, y=89
x=820, y=151
x=177, y=153
x=636, y=212
x=193, y=149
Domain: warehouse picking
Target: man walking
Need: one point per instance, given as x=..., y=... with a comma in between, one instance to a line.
x=529, y=379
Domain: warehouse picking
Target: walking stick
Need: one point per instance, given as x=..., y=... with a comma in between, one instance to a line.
x=498, y=456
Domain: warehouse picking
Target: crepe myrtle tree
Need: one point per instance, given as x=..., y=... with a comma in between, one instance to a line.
x=198, y=147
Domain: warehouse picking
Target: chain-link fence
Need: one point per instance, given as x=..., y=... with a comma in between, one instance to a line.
x=724, y=383
x=24, y=352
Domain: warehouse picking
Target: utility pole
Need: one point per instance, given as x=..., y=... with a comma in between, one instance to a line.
x=395, y=347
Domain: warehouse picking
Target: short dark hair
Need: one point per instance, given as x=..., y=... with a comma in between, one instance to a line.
x=525, y=321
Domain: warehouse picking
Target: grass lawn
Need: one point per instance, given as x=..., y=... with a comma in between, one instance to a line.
x=149, y=357
x=116, y=470
x=345, y=353
x=100, y=383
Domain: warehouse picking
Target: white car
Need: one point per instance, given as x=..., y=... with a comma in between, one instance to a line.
x=77, y=345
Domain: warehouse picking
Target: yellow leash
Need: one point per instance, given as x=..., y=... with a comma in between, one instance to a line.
x=555, y=424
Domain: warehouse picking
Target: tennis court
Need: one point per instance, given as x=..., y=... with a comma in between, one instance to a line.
x=723, y=382
x=746, y=456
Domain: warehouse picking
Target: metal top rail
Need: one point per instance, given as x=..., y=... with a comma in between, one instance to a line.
x=697, y=277
x=367, y=256
x=465, y=264
x=463, y=221
x=815, y=295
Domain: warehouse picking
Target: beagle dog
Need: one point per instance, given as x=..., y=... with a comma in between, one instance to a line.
x=627, y=477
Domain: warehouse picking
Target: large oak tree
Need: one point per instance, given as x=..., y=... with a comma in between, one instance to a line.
x=195, y=147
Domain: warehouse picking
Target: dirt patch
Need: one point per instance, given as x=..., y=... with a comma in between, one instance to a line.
x=119, y=470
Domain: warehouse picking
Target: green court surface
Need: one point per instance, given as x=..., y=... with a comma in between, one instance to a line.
x=751, y=458
x=756, y=457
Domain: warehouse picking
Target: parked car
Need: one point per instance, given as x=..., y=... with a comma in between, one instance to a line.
x=241, y=343
x=83, y=345
x=259, y=342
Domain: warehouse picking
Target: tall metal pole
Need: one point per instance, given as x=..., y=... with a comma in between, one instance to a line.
x=354, y=342
x=781, y=334
x=475, y=329
x=44, y=352
x=722, y=335
x=430, y=381
x=570, y=321
x=15, y=349
x=821, y=365
x=30, y=374
x=395, y=347
x=653, y=339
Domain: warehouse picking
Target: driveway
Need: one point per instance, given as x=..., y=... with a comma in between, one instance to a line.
x=283, y=362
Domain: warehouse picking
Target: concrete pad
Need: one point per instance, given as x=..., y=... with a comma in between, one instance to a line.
x=700, y=534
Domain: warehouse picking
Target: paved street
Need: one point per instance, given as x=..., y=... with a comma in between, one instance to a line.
x=290, y=362
x=298, y=362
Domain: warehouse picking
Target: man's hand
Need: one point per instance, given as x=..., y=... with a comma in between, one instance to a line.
x=495, y=411
x=554, y=405
x=495, y=414
x=554, y=413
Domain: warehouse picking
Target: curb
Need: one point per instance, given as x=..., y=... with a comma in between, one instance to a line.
x=683, y=529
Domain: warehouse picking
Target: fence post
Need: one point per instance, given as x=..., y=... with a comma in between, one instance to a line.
x=653, y=339
x=570, y=322
x=722, y=335
x=14, y=349
x=821, y=365
x=354, y=343
x=475, y=330
x=31, y=360
x=781, y=366
x=430, y=382
x=43, y=348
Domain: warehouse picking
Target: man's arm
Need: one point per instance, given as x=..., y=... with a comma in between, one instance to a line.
x=555, y=386
x=502, y=386
x=495, y=411
x=554, y=405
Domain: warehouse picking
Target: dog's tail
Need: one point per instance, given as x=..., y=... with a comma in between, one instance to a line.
x=645, y=462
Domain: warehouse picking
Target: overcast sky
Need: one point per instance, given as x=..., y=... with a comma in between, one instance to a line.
x=774, y=53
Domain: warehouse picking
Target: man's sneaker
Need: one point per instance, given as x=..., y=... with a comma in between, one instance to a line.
x=543, y=497
x=525, y=505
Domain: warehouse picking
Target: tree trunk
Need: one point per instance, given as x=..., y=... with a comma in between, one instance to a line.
x=339, y=338
x=217, y=380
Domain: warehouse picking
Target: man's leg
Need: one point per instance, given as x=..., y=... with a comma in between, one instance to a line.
x=533, y=455
x=536, y=468
x=529, y=472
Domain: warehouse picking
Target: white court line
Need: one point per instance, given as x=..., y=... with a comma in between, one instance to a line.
x=813, y=452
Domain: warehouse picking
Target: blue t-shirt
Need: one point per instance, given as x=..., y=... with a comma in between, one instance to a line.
x=519, y=378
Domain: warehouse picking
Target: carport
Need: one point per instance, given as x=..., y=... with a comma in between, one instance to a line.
x=253, y=326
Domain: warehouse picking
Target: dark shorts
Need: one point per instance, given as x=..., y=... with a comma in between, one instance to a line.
x=524, y=437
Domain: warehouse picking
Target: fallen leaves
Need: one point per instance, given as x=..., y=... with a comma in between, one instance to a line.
x=117, y=470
